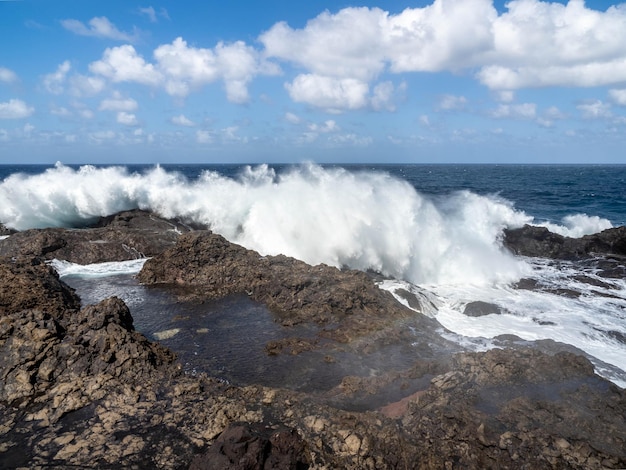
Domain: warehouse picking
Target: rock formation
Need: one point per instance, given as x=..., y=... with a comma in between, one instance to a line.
x=80, y=388
x=124, y=236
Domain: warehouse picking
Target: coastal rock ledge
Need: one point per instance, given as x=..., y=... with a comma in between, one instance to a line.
x=80, y=388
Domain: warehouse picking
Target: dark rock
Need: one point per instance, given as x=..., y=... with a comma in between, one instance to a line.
x=28, y=283
x=479, y=308
x=124, y=236
x=243, y=446
x=208, y=266
x=540, y=242
x=79, y=388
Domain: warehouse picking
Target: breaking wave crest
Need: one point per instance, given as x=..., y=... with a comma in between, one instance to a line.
x=364, y=220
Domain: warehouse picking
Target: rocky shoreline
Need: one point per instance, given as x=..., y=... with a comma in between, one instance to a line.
x=79, y=387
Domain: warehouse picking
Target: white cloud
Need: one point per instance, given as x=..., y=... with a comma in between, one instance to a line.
x=15, y=109
x=186, y=68
x=180, y=69
x=533, y=43
x=182, y=120
x=99, y=27
x=550, y=44
x=332, y=94
x=128, y=119
x=7, y=75
x=595, y=110
x=452, y=102
x=54, y=82
x=118, y=103
x=518, y=111
x=424, y=120
x=123, y=64
x=618, y=96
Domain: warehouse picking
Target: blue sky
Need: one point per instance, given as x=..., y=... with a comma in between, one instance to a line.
x=445, y=81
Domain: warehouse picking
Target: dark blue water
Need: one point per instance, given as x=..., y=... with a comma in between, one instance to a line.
x=546, y=192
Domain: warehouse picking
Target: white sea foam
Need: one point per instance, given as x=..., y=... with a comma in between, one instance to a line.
x=577, y=225
x=362, y=220
x=65, y=268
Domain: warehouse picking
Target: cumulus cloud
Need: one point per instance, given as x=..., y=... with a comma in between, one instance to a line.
x=99, y=27
x=182, y=120
x=7, y=75
x=123, y=64
x=185, y=68
x=15, y=109
x=180, y=68
x=332, y=94
x=531, y=44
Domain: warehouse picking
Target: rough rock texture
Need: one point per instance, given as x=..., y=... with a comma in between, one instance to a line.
x=79, y=388
x=124, y=236
x=540, y=242
x=347, y=303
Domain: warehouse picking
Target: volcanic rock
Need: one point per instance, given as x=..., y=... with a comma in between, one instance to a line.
x=540, y=242
x=79, y=388
x=124, y=236
x=347, y=303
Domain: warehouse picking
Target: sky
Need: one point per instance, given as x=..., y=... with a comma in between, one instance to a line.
x=447, y=81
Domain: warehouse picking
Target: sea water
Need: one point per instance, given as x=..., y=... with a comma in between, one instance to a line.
x=433, y=229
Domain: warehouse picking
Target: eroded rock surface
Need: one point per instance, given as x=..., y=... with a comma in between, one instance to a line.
x=539, y=241
x=347, y=304
x=79, y=388
x=124, y=236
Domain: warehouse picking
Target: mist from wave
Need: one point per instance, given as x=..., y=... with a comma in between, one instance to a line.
x=360, y=219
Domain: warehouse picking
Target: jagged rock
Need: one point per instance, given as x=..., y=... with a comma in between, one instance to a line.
x=207, y=266
x=242, y=446
x=79, y=388
x=540, y=242
x=28, y=283
x=124, y=236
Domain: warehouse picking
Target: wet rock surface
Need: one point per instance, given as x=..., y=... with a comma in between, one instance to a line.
x=540, y=242
x=80, y=388
x=123, y=236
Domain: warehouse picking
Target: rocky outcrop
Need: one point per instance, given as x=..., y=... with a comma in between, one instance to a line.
x=346, y=303
x=124, y=236
x=540, y=242
x=79, y=388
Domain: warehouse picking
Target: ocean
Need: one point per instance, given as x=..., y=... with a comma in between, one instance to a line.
x=432, y=229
